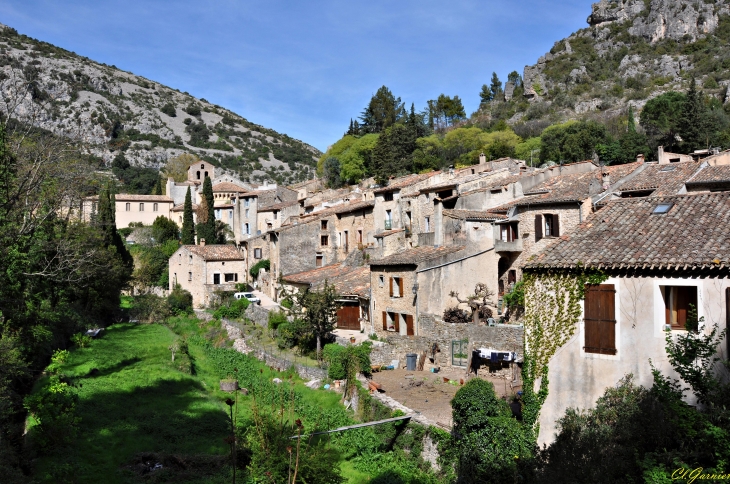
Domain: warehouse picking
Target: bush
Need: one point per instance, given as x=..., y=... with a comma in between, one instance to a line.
x=169, y=109
x=180, y=300
x=192, y=109
x=256, y=268
x=340, y=357
x=456, y=315
x=276, y=319
x=233, y=309
x=149, y=308
x=81, y=340
x=53, y=409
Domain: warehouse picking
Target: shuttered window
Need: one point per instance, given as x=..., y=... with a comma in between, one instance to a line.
x=385, y=321
x=600, y=319
x=538, y=227
x=677, y=300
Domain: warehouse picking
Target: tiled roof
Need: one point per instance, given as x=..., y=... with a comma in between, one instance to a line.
x=228, y=187
x=346, y=279
x=404, y=181
x=695, y=232
x=663, y=179
x=388, y=232
x=481, y=215
x=131, y=197
x=710, y=175
x=215, y=252
x=278, y=206
x=575, y=187
x=181, y=207
x=337, y=209
x=416, y=256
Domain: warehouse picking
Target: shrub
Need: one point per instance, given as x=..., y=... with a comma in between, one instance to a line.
x=256, y=268
x=276, y=319
x=53, y=409
x=340, y=357
x=187, y=121
x=180, y=300
x=192, y=109
x=169, y=109
x=150, y=308
x=456, y=315
x=233, y=309
x=81, y=340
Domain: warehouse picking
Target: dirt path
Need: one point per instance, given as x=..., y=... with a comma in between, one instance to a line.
x=428, y=394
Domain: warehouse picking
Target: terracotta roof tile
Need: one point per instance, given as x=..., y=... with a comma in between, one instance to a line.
x=663, y=179
x=694, y=232
x=388, y=232
x=215, y=252
x=346, y=279
x=482, y=215
x=228, y=187
x=416, y=256
x=132, y=197
x=710, y=175
x=181, y=207
x=404, y=181
x=278, y=206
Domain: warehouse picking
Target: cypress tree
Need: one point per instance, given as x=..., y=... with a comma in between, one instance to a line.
x=692, y=125
x=632, y=123
x=188, y=228
x=157, y=190
x=206, y=221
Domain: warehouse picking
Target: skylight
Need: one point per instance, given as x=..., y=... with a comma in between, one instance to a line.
x=662, y=208
x=668, y=168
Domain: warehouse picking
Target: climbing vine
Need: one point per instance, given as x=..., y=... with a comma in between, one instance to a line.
x=552, y=312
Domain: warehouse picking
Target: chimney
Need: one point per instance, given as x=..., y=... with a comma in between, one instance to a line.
x=202, y=241
x=482, y=158
x=660, y=155
x=640, y=158
x=606, y=178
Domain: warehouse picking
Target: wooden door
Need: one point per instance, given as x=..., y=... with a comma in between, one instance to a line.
x=600, y=319
x=409, y=325
x=348, y=316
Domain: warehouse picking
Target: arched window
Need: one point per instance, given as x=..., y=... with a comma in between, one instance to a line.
x=141, y=207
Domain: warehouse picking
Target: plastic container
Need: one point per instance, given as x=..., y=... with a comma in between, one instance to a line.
x=411, y=359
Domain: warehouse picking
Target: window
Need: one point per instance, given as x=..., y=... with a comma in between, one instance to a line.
x=427, y=224
x=141, y=207
x=127, y=206
x=230, y=277
x=154, y=207
x=190, y=259
x=246, y=203
x=275, y=214
x=323, y=224
x=390, y=322
x=230, y=214
x=381, y=280
x=509, y=232
x=198, y=175
x=319, y=260
x=388, y=196
x=202, y=167
x=359, y=236
x=396, y=287
x=246, y=229
x=179, y=258
x=600, y=319
x=677, y=301
x=551, y=225
x=324, y=240
x=190, y=276
x=216, y=278
x=668, y=168
x=662, y=208
x=257, y=253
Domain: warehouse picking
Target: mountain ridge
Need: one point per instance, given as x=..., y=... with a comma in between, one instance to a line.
x=111, y=111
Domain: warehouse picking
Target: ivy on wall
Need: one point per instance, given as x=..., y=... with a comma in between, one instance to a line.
x=552, y=312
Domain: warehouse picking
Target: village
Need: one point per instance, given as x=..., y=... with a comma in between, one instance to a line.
x=432, y=265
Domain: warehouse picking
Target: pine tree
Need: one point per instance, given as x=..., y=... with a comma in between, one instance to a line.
x=485, y=94
x=495, y=86
x=188, y=228
x=350, y=130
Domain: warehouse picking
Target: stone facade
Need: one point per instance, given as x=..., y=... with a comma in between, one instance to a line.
x=131, y=208
x=204, y=270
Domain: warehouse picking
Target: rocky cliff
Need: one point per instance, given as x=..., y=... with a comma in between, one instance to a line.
x=630, y=52
x=109, y=111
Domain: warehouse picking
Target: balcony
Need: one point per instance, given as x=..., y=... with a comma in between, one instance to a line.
x=388, y=225
x=508, y=246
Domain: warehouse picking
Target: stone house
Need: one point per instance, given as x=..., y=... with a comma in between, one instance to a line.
x=203, y=270
x=353, y=288
x=661, y=254
x=417, y=282
x=272, y=216
x=132, y=208
x=709, y=179
x=548, y=211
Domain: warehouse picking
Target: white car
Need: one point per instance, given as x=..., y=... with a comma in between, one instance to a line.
x=248, y=295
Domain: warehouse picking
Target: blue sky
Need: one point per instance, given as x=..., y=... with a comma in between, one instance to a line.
x=304, y=68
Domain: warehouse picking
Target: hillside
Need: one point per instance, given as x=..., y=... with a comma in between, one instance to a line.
x=110, y=111
x=631, y=51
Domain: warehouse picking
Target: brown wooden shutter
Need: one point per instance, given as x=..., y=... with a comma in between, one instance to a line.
x=686, y=295
x=385, y=321
x=556, y=225
x=409, y=325
x=538, y=227
x=600, y=319
x=396, y=322
x=391, y=287
x=400, y=287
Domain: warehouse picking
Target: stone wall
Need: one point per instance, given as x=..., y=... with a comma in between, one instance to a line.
x=258, y=315
x=500, y=337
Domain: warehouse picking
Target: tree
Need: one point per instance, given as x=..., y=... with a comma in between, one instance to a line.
x=383, y=110
x=158, y=187
x=515, y=78
x=485, y=95
x=206, y=215
x=316, y=312
x=188, y=228
x=572, y=141
x=693, y=126
x=331, y=173
x=164, y=229
x=392, y=155
x=495, y=87
x=480, y=302
x=177, y=167
x=660, y=119
x=446, y=110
